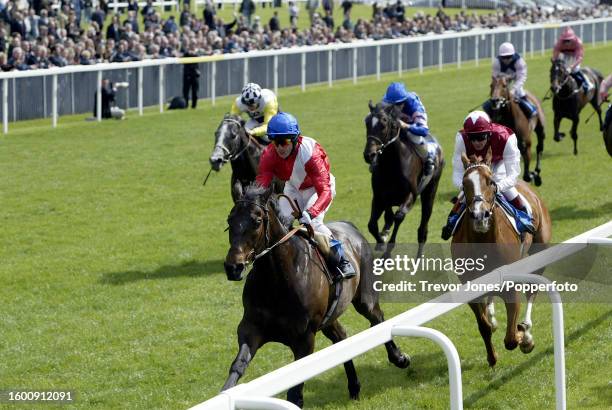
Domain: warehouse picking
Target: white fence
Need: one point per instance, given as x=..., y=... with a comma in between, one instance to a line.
x=68, y=90
x=257, y=393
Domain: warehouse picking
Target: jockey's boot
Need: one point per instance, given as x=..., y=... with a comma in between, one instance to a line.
x=528, y=108
x=453, y=216
x=333, y=253
x=525, y=218
x=428, y=157
x=583, y=80
x=341, y=267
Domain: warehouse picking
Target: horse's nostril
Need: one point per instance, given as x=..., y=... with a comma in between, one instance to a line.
x=487, y=214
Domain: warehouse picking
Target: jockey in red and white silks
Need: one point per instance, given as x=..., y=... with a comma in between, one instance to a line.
x=303, y=165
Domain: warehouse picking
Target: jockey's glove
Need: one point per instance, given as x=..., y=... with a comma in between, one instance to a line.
x=305, y=219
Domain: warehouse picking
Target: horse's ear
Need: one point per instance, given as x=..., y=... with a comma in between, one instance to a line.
x=267, y=192
x=465, y=160
x=370, y=106
x=489, y=157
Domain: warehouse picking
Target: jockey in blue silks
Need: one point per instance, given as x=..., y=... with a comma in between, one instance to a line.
x=415, y=117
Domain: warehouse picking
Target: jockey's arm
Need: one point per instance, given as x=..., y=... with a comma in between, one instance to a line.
x=521, y=76
x=496, y=69
x=458, y=169
x=418, y=117
x=319, y=175
x=235, y=110
x=265, y=171
x=270, y=110
x=605, y=86
x=578, y=54
x=512, y=164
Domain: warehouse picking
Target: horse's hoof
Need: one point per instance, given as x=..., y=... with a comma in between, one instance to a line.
x=575, y=151
x=524, y=327
x=527, y=346
x=537, y=179
x=559, y=136
x=527, y=178
x=354, y=391
x=385, y=235
x=492, y=360
x=403, y=362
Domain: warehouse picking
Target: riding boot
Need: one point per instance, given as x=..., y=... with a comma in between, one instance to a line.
x=453, y=216
x=524, y=216
x=333, y=253
x=341, y=267
x=583, y=80
x=427, y=156
x=528, y=108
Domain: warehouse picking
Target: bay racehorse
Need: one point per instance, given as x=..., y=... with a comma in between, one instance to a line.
x=234, y=145
x=506, y=111
x=485, y=228
x=607, y=132
x=287, y=297
x=396, y=175
x=569, y=98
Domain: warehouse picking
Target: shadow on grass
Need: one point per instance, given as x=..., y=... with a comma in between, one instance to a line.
x=572, y=212
x=517, y=371
x=190, y=268
x=375, y=378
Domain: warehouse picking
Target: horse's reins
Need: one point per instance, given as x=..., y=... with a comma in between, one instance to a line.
x=384, y=145
x=561, y=85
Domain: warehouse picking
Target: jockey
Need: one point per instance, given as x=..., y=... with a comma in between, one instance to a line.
x=511, y=64
x=416, y=118
x=569, y=48
x=603, y=96
x=260, y=105
x=477, y=135
x=303, y=164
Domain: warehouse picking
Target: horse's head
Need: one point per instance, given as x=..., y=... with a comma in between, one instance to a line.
x=227, y=140
x=381, y=127
x=559, y=76
x=500, y=92
x=479, y=189
x=248, y=230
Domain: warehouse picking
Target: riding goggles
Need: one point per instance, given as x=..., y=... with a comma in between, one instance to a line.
x=480, y=136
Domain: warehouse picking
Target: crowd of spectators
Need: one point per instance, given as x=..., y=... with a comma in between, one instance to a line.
x=38, y=34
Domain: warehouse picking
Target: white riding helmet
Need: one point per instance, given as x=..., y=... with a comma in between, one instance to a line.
x=506, y=49
x=251, y=94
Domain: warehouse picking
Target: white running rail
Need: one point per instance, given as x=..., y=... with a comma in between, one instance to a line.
x=251, y=394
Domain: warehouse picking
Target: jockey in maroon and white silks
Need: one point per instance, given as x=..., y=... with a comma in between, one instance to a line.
x=569, y=48
x=479, y=135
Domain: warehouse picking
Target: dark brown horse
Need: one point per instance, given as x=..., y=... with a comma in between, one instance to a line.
x=506, y=111
x=287, y=294
x=569, y=98
x=233, y=144
x=396, y=175
x=484, y=226
x=607, y=132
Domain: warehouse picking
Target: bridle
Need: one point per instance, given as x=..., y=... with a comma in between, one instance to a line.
x=228, y=156
x=562, y=84
x=479, y=198
x=503, y=100
x=252, y=257
x=382, y=144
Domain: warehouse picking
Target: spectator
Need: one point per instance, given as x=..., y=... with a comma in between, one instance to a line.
x=294, y=12
x=170, y=26
x=57, y=58
x=247, y=8
x=185, y=16
x=114, y=29
x=98, y=16
x=328, y=20
x=274, y=23
x=191, y=75
x=312, y=6
x=347, y=5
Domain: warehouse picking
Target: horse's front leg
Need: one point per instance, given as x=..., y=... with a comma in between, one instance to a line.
x=375, y=213
x=526, y=153
x=513, y=306
x=399, y=218
x=527, y=343
x=574, y=132
x=388, y=223
x=486, y=330
x=249, y=340
x=302, y=346
x=336, y=333
x=556, y=123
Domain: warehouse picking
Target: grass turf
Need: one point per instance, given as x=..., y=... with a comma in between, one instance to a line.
x=112, y=276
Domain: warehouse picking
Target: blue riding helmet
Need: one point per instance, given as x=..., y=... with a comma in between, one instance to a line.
x=283, y=125
x=396, y=94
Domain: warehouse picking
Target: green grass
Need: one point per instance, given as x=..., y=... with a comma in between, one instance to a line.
x=111, y=258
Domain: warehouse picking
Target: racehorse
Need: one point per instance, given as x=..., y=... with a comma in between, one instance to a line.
x=233, y=144
x=484, y=223
x=396, y=175
x=506, y=111
x=287, y=296
x=607, y=133
x=569, y=98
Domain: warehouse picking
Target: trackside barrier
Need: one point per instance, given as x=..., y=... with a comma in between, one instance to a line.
x=70, y=90
x=310, y=366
